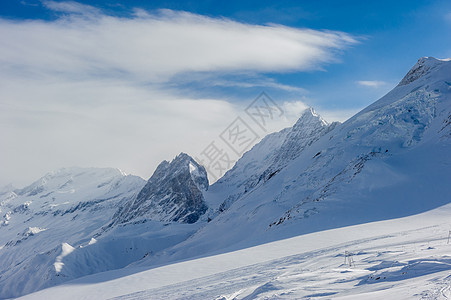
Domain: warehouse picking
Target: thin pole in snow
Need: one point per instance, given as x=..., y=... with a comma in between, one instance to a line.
x=349, y=259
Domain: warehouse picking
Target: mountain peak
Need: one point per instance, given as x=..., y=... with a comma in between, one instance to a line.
x=64, y=178
x=174, y=193
x=183, y=156
x=423, y=66
x=309, y=116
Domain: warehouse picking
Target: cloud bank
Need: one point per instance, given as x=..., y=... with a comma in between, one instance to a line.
x=92, y=89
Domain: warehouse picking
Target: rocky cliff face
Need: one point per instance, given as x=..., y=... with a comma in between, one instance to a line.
x=174, y=193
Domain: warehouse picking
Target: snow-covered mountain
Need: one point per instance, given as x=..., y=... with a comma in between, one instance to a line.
x=75, y=222
x=388, y=161
x=41, y=223
x=265, y=160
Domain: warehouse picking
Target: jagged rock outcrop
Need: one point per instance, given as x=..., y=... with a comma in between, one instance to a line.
x=423, y=66
x=174, y=193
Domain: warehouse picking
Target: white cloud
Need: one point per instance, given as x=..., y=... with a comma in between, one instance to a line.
x=56, y=124
x=294, y=109
x=371, y=83
x=91, y=89
x=263, y=83
x=154, y=47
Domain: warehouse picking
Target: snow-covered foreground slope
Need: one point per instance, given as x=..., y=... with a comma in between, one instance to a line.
x=407, y=258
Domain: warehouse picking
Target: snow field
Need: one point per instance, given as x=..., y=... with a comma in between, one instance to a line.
x=406, y=258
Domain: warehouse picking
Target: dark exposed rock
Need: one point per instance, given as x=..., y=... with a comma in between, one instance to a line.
x=174, y=193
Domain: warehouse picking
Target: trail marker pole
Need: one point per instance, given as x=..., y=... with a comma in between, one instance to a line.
x=349, y=259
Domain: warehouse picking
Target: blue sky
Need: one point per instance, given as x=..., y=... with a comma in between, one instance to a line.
x=392, y=35
x=156, y=75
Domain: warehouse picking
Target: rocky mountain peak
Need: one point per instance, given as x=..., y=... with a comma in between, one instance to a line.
x=309, y=116
x=174, y=193
x=423, y=66
x=308, y=128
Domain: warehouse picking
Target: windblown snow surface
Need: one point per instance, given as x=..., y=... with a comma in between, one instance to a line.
x=277, y=225
x=407, y=258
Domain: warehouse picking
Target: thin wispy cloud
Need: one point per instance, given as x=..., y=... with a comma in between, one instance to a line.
x=371, y=83
x=261, y=83
x=71, y=7
x=92, y=89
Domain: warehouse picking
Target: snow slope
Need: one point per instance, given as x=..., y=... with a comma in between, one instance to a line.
x=407, y=258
